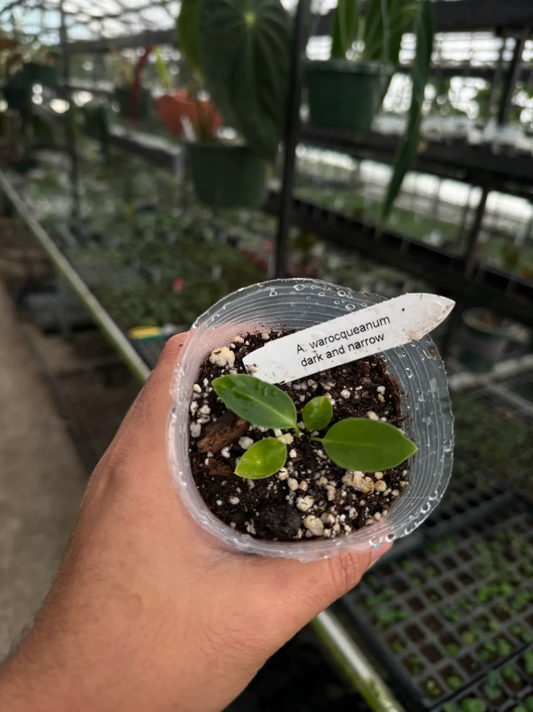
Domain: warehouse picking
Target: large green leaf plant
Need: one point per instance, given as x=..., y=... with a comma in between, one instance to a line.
x=240, y=49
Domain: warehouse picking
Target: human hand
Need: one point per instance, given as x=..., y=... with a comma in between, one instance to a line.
x=148, y=613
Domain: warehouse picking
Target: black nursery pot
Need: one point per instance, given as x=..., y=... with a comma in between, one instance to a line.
x=345, y=96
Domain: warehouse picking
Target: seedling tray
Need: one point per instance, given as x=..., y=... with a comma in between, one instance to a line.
x=508, y=688
x=444, y=615
x=481, y=416
x=150, y=350
x=471, y=495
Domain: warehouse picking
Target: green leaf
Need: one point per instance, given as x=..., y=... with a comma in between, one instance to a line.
x=366, y=445
x=345, y=26
x=245, y=56
x=162, y=69
x=263, y=459
x=383, y=40
x=256, y=401
x=318, y=413
x=420, y=72
x=189, y=36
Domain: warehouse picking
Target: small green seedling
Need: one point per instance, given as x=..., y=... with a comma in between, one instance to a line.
x=471, y=704
x=493, y=685
x=511, y=675
x=454, y=682
x=355, y=443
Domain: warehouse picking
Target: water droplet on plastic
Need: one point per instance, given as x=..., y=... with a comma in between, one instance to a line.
x=408, y=372
x=273, y=293
x=341, y=293
x=299, y=287
x=349, y=307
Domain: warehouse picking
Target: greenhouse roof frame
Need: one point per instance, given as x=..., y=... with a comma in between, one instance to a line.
x=87, y=19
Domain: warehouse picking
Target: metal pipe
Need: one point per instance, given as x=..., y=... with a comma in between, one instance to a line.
x=69, y=121
x=108, y=327
x=353, y=663
x=512, y=77
x=473, y=236
x=292, y=125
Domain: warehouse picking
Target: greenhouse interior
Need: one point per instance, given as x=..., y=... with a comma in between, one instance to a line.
x=157, y=157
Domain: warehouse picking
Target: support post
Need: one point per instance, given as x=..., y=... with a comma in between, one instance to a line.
x=69, y=120
x=301, y=23
x=511, y=77
x=473, y=235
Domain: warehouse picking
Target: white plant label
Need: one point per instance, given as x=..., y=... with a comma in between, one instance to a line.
x=348, y=338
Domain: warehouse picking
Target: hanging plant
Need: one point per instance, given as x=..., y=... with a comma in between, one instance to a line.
x=346, y=92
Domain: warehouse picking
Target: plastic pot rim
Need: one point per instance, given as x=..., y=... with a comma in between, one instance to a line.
x=469, y=319
x=347, y=66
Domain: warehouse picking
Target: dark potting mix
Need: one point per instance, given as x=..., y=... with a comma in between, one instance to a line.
x=310, y=497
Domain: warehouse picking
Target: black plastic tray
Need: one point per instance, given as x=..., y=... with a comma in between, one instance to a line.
x=445, y=614
x=501, y=690
x=470, y=495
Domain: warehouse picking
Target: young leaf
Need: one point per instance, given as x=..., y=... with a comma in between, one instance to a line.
x=318, y=413
x=345, y=24
x=162, y=69
x=245, y=54
x=419, y=75
x=263, y=459
x=366, y=445
x=256, y=401
x=188, y=35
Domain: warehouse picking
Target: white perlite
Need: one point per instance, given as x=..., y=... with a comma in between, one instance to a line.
x=345, y=394
x=196, y=429
x=372, y=415
x=286, y=438
x=196, y=388
x=292, y=484
x=314, y=525
x=358, y=481
x=234, y=500
x=205, y=410
x=246, y=443
x=304, y=504
x=222, y=357
x=380, y=486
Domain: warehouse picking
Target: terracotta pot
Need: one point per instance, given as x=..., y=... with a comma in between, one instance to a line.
x=173, y=107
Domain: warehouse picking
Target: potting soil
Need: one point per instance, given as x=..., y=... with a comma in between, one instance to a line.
x=277, y=508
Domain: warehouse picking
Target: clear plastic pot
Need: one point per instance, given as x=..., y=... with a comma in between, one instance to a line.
x=298, y=304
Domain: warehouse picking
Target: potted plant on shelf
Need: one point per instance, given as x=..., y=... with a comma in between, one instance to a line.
x=42, y=68
x=188, y=104
x=132, y=98
x=240, y=48
x=346, y=91
x=484, y=339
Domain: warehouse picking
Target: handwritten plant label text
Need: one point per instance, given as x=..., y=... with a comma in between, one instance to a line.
x=347, y=338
